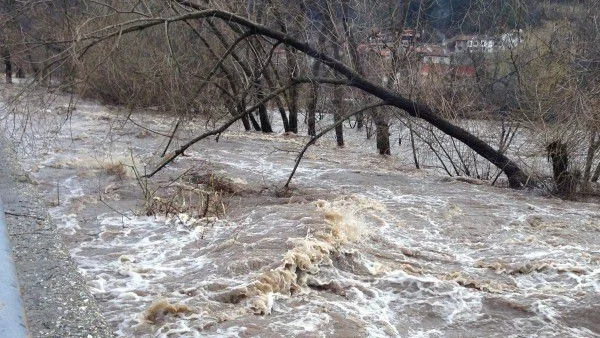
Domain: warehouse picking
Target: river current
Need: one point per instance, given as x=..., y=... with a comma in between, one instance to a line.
x=362, y=245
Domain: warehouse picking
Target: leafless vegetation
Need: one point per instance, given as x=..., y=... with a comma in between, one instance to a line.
x=464, y=87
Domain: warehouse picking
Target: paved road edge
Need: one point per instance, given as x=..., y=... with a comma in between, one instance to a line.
x=12, y=315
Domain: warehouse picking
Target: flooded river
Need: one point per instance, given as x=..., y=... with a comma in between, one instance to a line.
x=362, y=246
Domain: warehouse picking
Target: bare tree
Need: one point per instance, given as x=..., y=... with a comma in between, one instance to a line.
x=253, y=53
x=516, y=176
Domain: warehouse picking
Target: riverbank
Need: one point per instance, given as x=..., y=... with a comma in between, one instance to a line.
x=362, y=245
x=56, y=299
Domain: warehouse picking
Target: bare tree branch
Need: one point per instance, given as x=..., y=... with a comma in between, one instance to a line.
x=517, y=178
x=325, y=131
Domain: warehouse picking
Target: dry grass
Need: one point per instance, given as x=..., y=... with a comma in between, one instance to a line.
x=117, y=169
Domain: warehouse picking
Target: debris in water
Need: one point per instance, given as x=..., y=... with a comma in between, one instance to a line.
x=157, y=312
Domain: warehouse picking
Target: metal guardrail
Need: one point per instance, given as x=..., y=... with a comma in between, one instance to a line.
x=12, y=316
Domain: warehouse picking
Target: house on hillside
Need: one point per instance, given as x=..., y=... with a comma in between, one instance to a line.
x=375, y=48
x=380, y=37
x=377, y=43
x=436, y=60
x=409, y=37
x=454, y=57
x=511, y=39
x=482, y=43
x=471, y=43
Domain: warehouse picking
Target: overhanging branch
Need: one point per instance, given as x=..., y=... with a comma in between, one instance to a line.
x=174, y=154
x=517, y=178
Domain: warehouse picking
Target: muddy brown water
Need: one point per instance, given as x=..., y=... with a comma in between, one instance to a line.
x=363, y=246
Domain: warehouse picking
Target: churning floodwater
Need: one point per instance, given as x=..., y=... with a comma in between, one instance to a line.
x=363, y=246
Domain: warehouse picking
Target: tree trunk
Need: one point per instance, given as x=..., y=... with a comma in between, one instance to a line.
x=382, y=131
x=292, y=64
x=382, y=120
x=255, y=124
x=289, y=26
x=293, y=109
x=353, y=52
x=34, y=67
x=337, y=115
x=589, y=159
x=311, y=108
x=284, y=118
x=246, y=123
x=313, y=96
x=369, y=125
x=338, y=99
x=278, y=102
x=413, y=146
x=265, y=124
x=45, y=73
x=564, y=180
x=7, y=65
x=245, y=118
x=596, y=175
x=516, y=177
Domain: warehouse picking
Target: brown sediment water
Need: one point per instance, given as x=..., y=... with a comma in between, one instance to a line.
x=363, y=246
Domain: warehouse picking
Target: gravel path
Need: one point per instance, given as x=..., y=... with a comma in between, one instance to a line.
x=56, y=299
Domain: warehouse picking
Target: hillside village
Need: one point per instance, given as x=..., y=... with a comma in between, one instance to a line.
x=453, y=56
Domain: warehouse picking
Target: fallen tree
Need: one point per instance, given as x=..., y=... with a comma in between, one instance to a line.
x=517, y=178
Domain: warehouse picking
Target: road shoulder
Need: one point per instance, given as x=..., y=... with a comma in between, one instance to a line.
x=56, y=299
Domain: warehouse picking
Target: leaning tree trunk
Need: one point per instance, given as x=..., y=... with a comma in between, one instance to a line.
x=516, y=177
x=596, y=174
x=245, y=119
x=255, y=124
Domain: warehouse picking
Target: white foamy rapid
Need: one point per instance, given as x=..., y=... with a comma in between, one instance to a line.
x=363, y=247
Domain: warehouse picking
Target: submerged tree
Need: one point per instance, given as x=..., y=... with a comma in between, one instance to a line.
x=237, y=58
x=348, y=77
